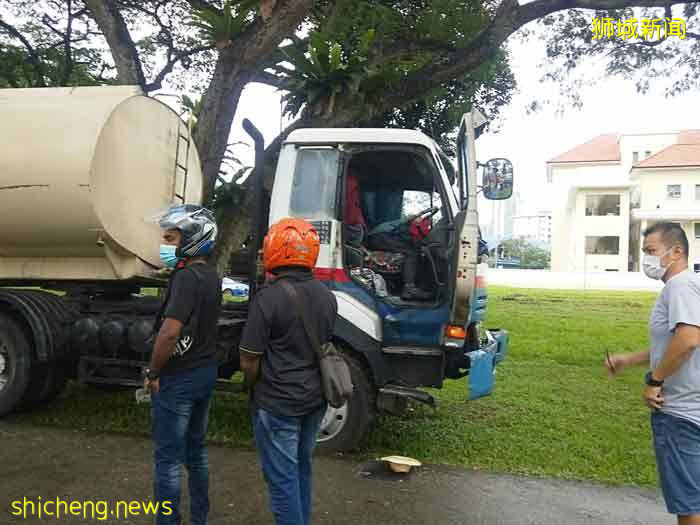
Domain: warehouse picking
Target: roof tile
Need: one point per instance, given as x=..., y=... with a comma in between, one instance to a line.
x=677, y=155
x=600, y=149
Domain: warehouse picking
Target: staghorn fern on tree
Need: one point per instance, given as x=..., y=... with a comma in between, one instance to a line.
x=323, y=72
x=220, y=28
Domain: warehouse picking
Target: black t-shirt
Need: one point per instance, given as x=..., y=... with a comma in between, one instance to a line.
x=194, y=299
x=290, y=380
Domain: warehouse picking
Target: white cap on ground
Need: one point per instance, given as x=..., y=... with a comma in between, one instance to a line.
x=401, y=463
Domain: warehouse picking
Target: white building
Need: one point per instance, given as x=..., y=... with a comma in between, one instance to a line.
x=610, y=188
x=536, y=227
x=497, y=218
x=669, y=190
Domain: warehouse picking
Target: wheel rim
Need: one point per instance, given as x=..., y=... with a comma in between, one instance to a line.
x=333, y=423
x=5, y=367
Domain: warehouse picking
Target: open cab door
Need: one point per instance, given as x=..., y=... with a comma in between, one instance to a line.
x=465, y=257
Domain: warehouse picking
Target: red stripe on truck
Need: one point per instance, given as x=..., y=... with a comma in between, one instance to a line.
x=337, y=275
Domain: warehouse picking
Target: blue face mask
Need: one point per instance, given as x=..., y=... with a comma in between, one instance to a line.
x=167, y=255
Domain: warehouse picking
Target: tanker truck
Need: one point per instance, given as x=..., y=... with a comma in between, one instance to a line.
x=82, y=172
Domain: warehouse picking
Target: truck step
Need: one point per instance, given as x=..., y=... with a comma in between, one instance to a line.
x=410, y=393
x=412, y=350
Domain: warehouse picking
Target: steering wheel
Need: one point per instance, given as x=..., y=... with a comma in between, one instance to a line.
x=428, y=212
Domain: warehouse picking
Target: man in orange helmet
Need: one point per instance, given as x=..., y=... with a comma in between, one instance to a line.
x=282, y=370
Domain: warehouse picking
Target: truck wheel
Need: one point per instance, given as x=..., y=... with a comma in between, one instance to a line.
x=15, y=364
x=346, y=428
x=46, y=382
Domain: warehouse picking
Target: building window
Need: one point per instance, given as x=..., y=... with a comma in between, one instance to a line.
x=647, y=154
x=635, y=157
x=697, y=230
x=696, y=268
x=603, y=245
x=597, y=205
x=673, y=191
x=697, y=192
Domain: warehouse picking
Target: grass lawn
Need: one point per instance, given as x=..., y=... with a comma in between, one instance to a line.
x=553, y=412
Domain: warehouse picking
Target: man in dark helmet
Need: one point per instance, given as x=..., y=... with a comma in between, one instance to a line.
x=183, y=368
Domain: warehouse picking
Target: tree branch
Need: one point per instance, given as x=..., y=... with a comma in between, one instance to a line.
x=113, y=27
x=264, y=77
x=33, y=56
x=237, y=64
x=509, y=17
x=158, y=81
x=262, y=38
x=202, y=4
x=67, y=50
x=399, y=48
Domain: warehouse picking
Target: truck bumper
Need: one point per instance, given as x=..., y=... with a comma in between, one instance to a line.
x=483, y=363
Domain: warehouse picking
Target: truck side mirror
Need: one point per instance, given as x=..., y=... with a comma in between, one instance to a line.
x=498, y=179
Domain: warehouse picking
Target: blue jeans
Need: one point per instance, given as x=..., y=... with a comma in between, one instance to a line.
x=179, y=414
x=285, y=446
x=677, y=450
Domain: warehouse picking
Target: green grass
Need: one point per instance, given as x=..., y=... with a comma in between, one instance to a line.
x=553, y=412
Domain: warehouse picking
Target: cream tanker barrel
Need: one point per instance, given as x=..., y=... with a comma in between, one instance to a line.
x=81, y=172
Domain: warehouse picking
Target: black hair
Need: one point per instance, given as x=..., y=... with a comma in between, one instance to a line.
x=671, y=234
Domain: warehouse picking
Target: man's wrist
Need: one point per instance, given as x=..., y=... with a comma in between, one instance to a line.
x=152, y=374
x=651, y=380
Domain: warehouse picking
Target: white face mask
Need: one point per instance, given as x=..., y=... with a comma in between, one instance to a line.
x=652, y=265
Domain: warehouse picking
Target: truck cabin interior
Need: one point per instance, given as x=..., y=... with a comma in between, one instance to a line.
x=396, y=231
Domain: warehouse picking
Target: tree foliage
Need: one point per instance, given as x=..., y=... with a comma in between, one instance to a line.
x=668, y=63
x=530, y=255
x=222, y=27
x=50, y=46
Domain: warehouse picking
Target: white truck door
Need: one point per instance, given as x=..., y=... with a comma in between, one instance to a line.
x=465, y=253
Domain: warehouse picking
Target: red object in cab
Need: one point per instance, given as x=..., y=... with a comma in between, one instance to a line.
x=420, y=228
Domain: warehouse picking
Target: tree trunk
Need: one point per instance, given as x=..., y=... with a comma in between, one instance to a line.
x=236, y=67
x=121, y=45
x=215, y=120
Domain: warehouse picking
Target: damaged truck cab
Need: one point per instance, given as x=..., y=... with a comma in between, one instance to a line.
x=383, y=200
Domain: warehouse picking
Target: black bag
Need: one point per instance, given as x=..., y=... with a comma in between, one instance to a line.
x=335, y=372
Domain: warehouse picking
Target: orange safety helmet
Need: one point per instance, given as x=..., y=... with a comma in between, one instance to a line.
x=291, y=242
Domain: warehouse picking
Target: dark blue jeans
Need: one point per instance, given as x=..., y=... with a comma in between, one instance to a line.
x=285, y=446
x=179, y=415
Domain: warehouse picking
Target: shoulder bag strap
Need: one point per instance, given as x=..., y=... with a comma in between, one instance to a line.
x=304, y=313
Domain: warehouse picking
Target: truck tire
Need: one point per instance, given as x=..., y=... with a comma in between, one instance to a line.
x=46, y=382
x=346, y=428
x=15, y=364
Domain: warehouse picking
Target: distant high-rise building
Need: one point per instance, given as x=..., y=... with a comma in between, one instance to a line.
x=535, y=227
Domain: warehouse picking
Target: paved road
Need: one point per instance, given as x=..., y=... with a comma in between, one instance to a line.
x=76, y=466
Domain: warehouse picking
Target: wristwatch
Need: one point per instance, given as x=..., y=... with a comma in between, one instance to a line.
x=151, y=374
x=650, y=381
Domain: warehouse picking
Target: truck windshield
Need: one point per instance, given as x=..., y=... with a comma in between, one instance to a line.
x=315, y=182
